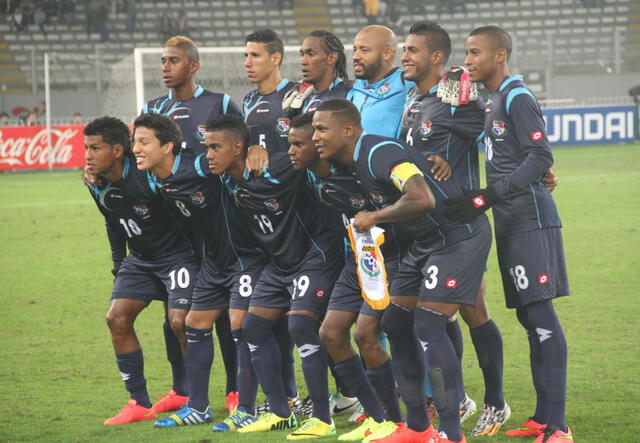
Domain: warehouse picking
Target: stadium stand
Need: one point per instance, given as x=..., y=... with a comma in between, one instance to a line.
x=564, y=34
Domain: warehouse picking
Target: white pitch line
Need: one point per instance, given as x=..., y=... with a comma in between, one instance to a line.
x=52, y=203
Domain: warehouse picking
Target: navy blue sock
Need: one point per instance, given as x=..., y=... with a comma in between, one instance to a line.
x=247, y=380
x=286, y=344
x=258, y=332
x=174, y=355
x=199, y=361
x=351, y=371
x=553, y=346
x=304, y=330
x=455, y=335
x=384, y=383
x=408, y=365
x=443, y=369
x=341, y=386
x=535, y=360
x=227, y=350
x=487, y=341
x=131, y=368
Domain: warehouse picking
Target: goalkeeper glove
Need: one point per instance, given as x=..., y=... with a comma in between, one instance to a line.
x=470, y=204
x=294, y=99
x=456, y=88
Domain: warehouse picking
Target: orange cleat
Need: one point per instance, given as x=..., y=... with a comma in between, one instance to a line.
x=442, y=438
x=231, y=401
x=530, y=428
x=554, y=435
x=169, y=402
x=403, y=434
x=131, y=412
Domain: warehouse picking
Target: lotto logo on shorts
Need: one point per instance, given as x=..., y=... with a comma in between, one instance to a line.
x=452, y=283
x=543, y=279
x=536, y=136
x=320, y=293
x=478, y=201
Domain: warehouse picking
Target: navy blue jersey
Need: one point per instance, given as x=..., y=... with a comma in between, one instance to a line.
x=267, y=122
x=374, y=159
x=338, y=89
x=518, y=155
x=192, y=115
x=136, y=215
x=381, y=103
x=451, y=132
x=206, y=209
x=278, y=211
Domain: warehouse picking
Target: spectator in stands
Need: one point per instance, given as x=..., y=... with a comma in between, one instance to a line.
x=4, y=119
x=40, y=18
x=371, y=10
x=182, y=28
x=167, y=27
x=416, y=6
x=66, y=8
x=32, y=119
x=77, y=119
x=131, y=8
x=19, y=20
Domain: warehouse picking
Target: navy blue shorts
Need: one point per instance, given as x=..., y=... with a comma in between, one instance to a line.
x=532, y=266
x=170, y=279
x=307, y=289
x=217, y=289
x=446, y=274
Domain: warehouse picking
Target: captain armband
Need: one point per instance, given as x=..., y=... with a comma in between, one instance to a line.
x=402, y=172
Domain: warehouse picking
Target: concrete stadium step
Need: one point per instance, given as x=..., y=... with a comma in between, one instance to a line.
x=311, y=15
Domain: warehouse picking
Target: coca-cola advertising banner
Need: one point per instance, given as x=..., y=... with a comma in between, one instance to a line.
x=26, y=147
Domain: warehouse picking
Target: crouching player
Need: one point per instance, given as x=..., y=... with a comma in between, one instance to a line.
x=441, y=269
x=230, y=266
x=160, y=264
x=338, y=189
x=303, y=258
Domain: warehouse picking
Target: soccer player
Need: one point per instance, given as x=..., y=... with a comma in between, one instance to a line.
x=380, y=89
x=440, y=270
x=160, y=264
x=303, y=258
x=231, y=265
x=451, y=132
x=191, y=106
x=527, y=224
x=338, y=189
x=262, y=108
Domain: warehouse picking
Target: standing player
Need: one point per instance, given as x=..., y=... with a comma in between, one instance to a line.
x=527, y=224
x=160, y=264
x=380, y=89
x=440, y=271
x=191, y=106
x=338, y=189
x=303, y=259
x=434, y=127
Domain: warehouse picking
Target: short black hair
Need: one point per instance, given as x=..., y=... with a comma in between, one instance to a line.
x=302, y=120
x=271, y=40
x=437, y=38
x=113, y=131
x=232, y=123
x=347, y=110
x=166, y=130
x=500, y=39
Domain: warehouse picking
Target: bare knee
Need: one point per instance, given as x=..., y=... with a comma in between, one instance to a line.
x=332, y=337
x=119, y=323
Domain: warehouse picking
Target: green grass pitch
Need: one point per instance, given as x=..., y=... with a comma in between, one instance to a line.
x=58, y=377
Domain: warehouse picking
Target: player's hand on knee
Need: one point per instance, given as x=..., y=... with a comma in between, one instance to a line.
x=257, y=159
x=550, y=180
x=441, y=169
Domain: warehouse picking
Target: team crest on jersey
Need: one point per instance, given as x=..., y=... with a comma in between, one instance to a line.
x=377, y=197
x=383, y=89
x=498, y=128
x=369, y=263
x=357, y=201
x=141, y=210
x=425, y=128
x=283, y=125
x=197, y=198
x=272, y=204
x=200, y=130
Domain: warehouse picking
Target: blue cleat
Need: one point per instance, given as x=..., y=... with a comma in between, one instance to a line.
x=239, y=418
x=185, y=417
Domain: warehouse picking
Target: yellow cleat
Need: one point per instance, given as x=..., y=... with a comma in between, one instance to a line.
x=313, y=428
x=358, y=433
x=380, y=430
x=271, y=422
